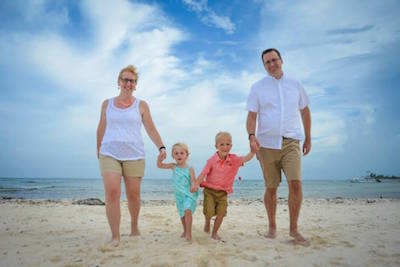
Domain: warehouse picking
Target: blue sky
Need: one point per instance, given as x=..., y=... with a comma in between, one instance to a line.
x=196, y=60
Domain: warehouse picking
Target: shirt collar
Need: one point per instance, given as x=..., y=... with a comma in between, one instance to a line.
x=218, y=159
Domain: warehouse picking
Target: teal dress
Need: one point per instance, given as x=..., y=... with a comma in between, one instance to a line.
x=185, y=200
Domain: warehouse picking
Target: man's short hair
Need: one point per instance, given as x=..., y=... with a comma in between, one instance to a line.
x=270, y=50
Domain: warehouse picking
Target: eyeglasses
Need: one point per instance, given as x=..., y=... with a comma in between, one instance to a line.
x=271, y=61
x=128, y=80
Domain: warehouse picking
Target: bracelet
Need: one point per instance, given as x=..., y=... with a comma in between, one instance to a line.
x=161, y=147
x=251, y=135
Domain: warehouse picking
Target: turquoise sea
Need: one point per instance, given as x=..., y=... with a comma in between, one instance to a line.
x=161, y=189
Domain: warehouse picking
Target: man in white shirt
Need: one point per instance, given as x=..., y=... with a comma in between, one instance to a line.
x=275, y=104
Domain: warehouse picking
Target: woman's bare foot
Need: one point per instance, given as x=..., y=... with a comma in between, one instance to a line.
x=298, y=238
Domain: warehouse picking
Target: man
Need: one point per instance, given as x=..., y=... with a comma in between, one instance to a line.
x=278, y=101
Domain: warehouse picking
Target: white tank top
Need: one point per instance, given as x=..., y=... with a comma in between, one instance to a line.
x=122, y=138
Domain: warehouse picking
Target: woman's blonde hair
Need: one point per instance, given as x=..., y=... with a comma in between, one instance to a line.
x=181, y=145
x=129, y=68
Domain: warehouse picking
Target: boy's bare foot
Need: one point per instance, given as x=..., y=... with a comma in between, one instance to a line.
x=271, y=233
x=207, y=228
x=298, y=238
x=216, y=237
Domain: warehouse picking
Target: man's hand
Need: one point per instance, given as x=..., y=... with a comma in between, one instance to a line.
x=306, y=147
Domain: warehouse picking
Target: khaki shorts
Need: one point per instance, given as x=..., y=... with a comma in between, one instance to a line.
x=133, y=168
x=288, y=159
x=215, y=202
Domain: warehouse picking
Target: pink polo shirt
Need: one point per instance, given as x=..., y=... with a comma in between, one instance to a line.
x=220, y=174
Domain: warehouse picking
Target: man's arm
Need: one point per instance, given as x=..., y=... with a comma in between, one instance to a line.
x=251, y=129
x=306, y=118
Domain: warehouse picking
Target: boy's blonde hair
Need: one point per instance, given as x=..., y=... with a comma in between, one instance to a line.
x=129, y=68
x=220, y=134
x=181, y=145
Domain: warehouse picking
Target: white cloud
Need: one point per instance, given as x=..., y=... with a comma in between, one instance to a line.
x=209, y=17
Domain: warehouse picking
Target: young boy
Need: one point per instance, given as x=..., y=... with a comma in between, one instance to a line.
x=219, y=174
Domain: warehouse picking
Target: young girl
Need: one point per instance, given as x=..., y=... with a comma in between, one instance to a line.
x=184, y=184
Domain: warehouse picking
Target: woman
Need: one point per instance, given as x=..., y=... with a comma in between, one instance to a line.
x=120, y=149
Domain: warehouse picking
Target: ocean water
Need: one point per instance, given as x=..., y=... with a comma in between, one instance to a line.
x=162, y=189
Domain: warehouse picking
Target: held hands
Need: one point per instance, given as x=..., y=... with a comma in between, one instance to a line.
x=194, y=187
x=162, y=155
x=254, y=144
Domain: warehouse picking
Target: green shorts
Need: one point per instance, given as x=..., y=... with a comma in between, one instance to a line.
x=215, y=202
x=274, y=161
x=131, y=168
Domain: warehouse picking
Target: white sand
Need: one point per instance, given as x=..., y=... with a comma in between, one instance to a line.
x=341, y=233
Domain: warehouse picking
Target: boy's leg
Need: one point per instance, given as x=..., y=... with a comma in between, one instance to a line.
x=217, y=224
x=208, y=208
x=207, y=224
x=220, y=208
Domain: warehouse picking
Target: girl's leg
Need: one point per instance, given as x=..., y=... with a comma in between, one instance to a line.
x=184, y=226
x=188, y=223
x=112, y=190
x=132, y=186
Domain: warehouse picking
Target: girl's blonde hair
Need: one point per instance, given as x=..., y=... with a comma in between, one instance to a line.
x=220, y=134
x=181, y=145
x=129, y=68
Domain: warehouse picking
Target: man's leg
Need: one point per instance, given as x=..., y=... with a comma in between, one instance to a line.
x=270, y=206
x=294, y=202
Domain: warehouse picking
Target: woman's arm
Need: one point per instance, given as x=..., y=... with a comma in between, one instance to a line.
x=102, y=125
x=151, y=128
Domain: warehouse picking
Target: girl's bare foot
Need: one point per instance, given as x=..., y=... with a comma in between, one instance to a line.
x=188, y=237
x=183, y=234
x=135, y=232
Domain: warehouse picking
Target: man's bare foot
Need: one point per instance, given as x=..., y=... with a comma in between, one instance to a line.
x=271, y=233
x=207, y=228
x=113, y=243
x=298, y=238
x=216, y=237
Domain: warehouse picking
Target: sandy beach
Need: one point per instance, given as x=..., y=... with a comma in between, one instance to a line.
x=342, y=232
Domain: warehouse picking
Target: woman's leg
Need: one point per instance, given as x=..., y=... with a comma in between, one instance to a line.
x=132, y=186
x=112, y=190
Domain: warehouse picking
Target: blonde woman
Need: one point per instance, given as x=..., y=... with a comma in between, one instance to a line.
x=120, y=149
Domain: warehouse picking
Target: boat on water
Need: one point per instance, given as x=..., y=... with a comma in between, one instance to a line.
x=373, y=178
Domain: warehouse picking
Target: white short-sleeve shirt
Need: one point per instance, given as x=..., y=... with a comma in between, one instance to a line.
x=278, y=104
